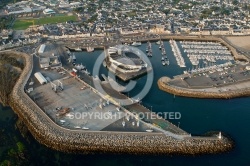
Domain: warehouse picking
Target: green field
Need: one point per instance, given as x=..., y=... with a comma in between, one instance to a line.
x=21, y=24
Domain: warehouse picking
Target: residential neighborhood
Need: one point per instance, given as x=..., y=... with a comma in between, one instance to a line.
x=213, y=17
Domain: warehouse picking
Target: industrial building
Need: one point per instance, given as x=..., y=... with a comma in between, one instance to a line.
x=41, y=49
x=48, y=57
x=40, y=78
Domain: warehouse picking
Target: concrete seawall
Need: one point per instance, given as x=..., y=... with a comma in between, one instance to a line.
x=163, y=85
x=77, y=141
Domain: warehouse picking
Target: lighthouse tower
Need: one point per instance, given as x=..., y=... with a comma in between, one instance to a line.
x=219, y=136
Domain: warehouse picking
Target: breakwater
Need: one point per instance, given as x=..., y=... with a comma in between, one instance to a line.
x=50, y=134
x=185, y=92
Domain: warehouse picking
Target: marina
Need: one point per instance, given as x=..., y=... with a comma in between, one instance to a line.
x=177, y=53
x=210, y=52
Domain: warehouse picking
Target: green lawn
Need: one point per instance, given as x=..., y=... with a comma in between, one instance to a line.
x=21, y=24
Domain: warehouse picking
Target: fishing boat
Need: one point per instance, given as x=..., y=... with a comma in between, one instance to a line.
x=136, y=44
x=78, y=49
x=79, y=67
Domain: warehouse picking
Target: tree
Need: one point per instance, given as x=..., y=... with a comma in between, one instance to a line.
x=5, y=163
x=20, y=147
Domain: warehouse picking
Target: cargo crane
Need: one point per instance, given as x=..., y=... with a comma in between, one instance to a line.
x=60, y=85
x=54, y=87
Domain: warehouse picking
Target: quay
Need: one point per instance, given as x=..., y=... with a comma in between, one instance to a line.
x=47, y=132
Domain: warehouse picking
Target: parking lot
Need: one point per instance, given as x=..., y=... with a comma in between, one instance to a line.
x=85, y=109
x=228, y=76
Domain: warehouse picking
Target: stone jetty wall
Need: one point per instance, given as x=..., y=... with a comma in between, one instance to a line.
x=163, y=85
x=78, y=141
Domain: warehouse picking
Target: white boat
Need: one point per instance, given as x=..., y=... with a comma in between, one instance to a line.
x=85, y=128
x=85, y=71
x=70, y=59
x=78, y=49
x=149, y=130
x=79, y=67
x=90, y=49
x=104, y=64
x=137, y=100
x=163, y=63
x=136, y=44
x=69, y=115
x=149, y=54
x=62, y=121
x=77, y=127
x=167, y=62
x=158, y=42
x=162, y=58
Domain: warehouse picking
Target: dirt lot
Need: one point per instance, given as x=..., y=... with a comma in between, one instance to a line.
x=240, y=41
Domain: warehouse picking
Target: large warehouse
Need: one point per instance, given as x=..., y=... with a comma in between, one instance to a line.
x=40, y=78
x=41, y=49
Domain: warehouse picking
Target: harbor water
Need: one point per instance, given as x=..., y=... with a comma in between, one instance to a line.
x=198, y=116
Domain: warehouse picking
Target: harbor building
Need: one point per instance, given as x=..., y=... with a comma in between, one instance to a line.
x=123, y=62
x=48, y=57
x=49, y=11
